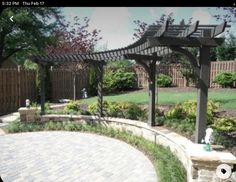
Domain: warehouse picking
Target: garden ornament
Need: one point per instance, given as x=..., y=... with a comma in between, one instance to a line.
x=27, y=103
x=208, y=139
x=84, y=93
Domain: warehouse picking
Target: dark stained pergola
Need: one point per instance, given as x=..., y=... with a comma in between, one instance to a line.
x=156, y=42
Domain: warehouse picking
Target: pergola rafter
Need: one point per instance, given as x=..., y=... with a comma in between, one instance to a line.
x=157, y=42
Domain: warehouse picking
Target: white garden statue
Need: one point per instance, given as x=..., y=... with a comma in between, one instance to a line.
x=84, y=93
x=208, y=139
x=27, y=103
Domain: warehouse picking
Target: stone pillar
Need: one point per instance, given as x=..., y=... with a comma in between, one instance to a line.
x=28, y=114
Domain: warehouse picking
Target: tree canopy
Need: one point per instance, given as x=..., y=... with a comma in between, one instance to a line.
x=30, y=31
x=74, y=37
x=229, y=15
x=227, y=51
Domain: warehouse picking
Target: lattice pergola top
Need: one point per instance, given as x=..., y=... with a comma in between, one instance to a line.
x=153, y=44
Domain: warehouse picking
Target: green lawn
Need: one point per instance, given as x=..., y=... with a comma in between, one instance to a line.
x=227, y=98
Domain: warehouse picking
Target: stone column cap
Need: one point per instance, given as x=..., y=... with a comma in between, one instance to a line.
x=197, y=153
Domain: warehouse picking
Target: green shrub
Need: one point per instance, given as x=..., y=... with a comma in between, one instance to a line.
x=188, y=110
x=175, y=113
x=187, y=126
x=119, y=109
x=51, y=126
x=225, y=125
x=114, y=110
x=118, y=80
x=34, y=104
x=93, y=108
x=225, y=79
x=47, y=107
x=164, y=80
x=17, y=126
x=221, y=138
x=72, y=107
x=132, y=111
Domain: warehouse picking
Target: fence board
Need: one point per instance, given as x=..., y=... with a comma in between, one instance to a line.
x=15, y=86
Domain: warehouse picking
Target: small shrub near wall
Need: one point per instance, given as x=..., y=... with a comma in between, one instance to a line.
x=119, y=76
x=188, y=109
x=225, y=125
x=72, y=106
x=163, y=80
x=119, y=80
x=120, y=109
x=225, y=79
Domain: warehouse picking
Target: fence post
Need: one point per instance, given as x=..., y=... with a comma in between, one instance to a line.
x=42, y=82
x=19, y=85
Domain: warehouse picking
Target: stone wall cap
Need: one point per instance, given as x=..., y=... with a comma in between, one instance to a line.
x=26, y=109
x=197, y=153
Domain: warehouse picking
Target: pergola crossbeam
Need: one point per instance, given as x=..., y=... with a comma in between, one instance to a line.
x=185, y=42
x=141, y=57
x=162, y=30
x=190, y=30
x=219, y=29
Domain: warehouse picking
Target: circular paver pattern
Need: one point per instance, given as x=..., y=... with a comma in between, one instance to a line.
x=71, y=156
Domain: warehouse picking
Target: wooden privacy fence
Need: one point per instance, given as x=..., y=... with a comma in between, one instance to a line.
x=62, y=84
x=16, y=85
x=173, y=70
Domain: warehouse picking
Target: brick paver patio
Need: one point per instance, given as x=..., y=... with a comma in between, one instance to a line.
x=71, y=156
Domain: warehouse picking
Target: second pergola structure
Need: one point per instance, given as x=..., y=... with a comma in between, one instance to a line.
x=156, y=42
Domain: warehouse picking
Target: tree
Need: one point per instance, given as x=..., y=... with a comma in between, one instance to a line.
x=142, y=26
x=229, y=14
x=227, y=51
x=74, y=37
x=30, y=32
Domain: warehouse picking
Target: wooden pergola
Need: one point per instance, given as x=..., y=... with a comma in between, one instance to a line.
x=156, y=42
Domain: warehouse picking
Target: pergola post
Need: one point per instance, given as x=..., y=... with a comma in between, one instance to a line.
x=42, y=69
x=202, y=94
x=100, y=90
x=152, y=88
x=150, y=68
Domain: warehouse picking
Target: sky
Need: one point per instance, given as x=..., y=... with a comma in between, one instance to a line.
x=117, y=23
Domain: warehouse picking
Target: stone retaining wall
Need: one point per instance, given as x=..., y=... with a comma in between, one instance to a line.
x=199, y=164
